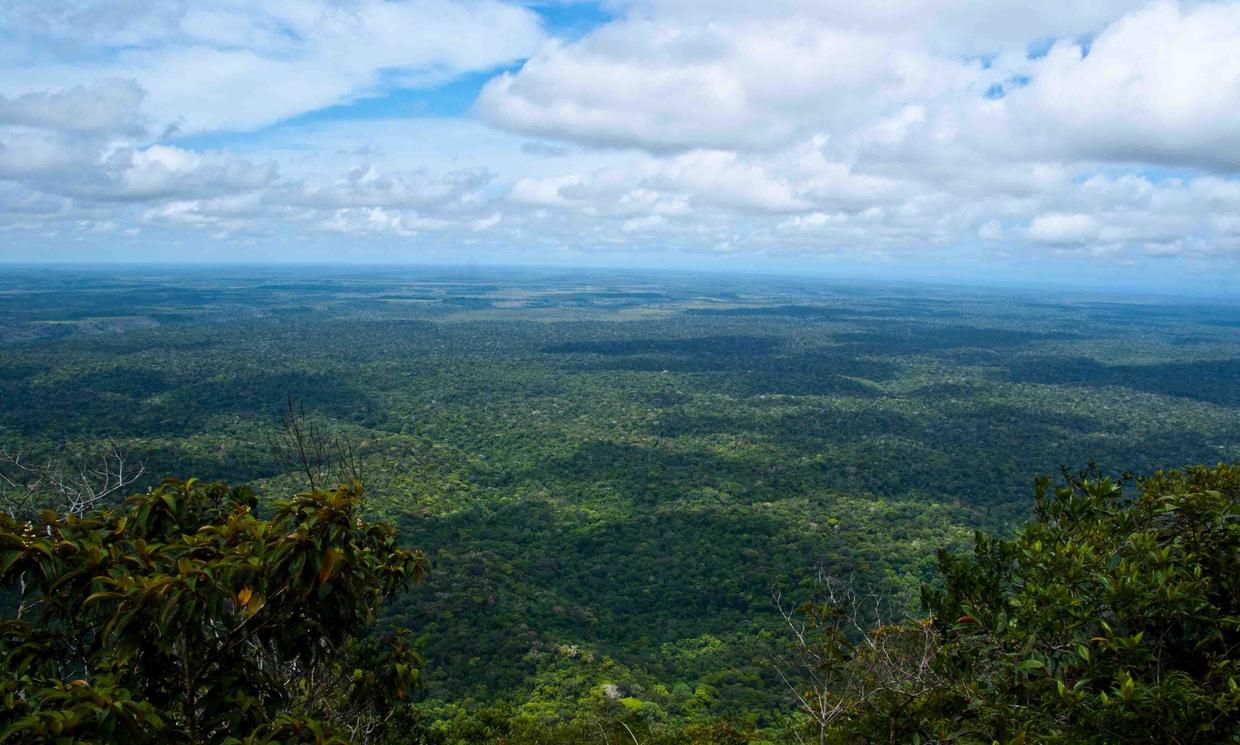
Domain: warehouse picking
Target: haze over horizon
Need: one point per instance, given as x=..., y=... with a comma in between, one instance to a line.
x=1075, y=143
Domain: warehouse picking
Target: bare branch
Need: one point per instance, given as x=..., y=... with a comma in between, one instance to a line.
x=72, y=484
x=306, y=448
x=844, y=658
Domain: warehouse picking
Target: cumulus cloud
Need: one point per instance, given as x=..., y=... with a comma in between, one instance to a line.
x=218, y=212
x=1063, y=228
x=96, y=171
x=1158, y=84
x=90, y=143
x=700, y=181
x=1103, y=128
x=161, y=172
x=906, y=123
x=751, y=84
x=1161, y=85
x=52, y=171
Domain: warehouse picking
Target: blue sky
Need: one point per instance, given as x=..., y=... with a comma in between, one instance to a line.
x=1094, y=143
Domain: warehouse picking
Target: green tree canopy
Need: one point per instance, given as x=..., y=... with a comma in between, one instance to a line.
x=183, y=616
x=1106, y=618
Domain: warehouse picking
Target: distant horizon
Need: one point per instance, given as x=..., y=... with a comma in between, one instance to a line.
x=1086, y=289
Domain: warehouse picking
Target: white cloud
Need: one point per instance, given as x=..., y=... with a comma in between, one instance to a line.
x=873, y=126
x=486, y=223
x=22, y=203
x=162, y=172
x=109, y=106
x=968, y=26
x=93, y=171
x=640, y=224
x=1063, y=228
x=225, y=64
x=368, y=186
x=814, y=127
x=1161, y=85
x=746, y=84
x=992, y=230
x=90, y=143
x=365, y=221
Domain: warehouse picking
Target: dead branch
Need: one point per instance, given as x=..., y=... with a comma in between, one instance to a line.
x=305, y=447
x=844, y=657
x=69, y=485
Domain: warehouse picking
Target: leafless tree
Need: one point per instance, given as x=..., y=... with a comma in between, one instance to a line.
x=305, y=447
x=70, y=484
x=845, y=657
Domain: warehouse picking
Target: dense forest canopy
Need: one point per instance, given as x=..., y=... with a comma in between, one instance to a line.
x=181, y=616
x=615, y=475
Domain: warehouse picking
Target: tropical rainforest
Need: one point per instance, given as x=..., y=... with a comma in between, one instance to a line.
x=445, y=505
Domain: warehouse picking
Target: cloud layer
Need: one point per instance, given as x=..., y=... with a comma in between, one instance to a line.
x=903, y=124
x=1108, y=130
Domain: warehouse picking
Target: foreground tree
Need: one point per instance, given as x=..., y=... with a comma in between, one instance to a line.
x=1106, y=618
x=182, y=616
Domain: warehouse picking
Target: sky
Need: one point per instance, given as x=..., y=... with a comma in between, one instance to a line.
x=1086, y=141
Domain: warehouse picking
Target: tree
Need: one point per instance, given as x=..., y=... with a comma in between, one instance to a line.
x=183, y=616
x=1106, y=618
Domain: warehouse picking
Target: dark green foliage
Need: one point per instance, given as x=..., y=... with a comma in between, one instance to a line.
x=788, y=311
x=918, y=338
x=1105, y=619
x=1213, y=381
x=182, y=616
x=590, y=728
x=120, y=402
